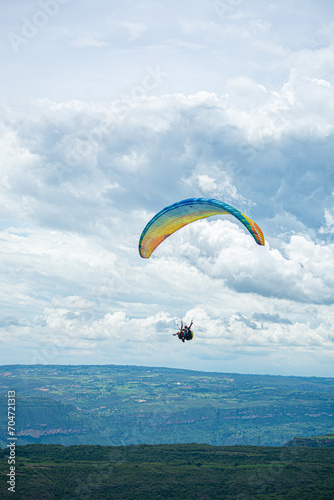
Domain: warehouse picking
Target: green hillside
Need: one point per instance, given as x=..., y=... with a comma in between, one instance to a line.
x=124, y=405
x=183, y=471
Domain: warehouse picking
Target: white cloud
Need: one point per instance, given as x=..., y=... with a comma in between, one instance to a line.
x=135, y=30
x=215, y=181
x=328, y=227
x=87, y=39
x=300, y=270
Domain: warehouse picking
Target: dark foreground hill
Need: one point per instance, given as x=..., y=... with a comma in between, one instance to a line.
x=182, y=471
x=314, y=441
x=124, y=405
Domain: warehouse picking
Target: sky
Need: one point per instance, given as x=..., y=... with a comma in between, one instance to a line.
x=112, y=110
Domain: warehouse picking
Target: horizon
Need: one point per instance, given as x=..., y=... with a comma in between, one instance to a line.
x=148, y=367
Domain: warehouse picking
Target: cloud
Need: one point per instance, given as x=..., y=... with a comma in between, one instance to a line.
x=215, y=181
x=84, y=40
x=135, y=30
x=300, y=270
x=161, y=121
x=328, y=227
x=86, y=142
x=271, y=318
x=137, y=156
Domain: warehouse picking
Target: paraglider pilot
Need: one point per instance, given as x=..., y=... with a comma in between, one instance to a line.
x=185, y=332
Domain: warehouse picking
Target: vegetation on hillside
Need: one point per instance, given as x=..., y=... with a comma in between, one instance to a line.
x=187, y=471
x=123, y=405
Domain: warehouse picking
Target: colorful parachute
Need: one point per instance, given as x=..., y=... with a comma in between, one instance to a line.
x=175, y=216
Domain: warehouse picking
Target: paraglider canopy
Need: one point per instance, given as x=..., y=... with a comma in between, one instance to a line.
x=178, y=215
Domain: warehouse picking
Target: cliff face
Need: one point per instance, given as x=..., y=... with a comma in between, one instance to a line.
x=36, y=433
